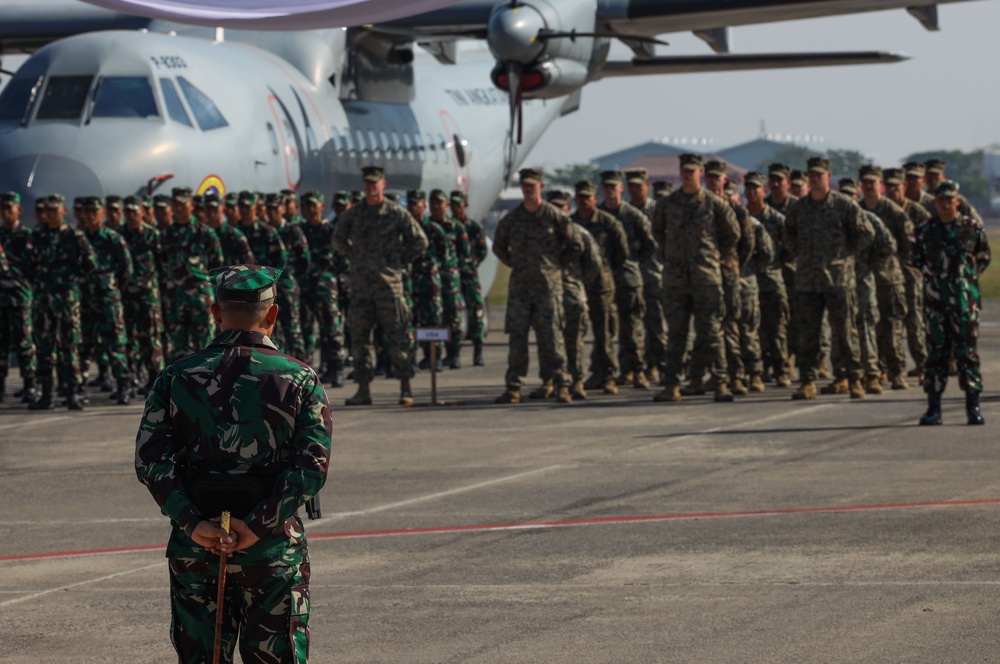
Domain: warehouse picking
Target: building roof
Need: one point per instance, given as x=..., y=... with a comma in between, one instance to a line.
x=667, y=167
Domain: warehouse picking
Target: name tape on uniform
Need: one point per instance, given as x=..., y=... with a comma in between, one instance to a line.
x=433, y=334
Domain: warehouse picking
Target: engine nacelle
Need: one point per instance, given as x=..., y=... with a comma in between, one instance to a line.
x=547, y=79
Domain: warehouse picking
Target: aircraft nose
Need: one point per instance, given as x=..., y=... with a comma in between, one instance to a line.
x=37, y=175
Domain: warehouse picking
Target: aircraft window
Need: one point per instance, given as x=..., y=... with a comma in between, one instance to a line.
x=206, y=113
x=432, y=146
x=420, y=147
x=125, y=97
x=444, y=148
x=14, y=99
x=175, y=109
x=460, y=154
x=274, y=138
x=64, y=97
x=408, y=147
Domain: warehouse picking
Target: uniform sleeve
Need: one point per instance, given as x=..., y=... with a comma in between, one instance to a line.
x=790, y=235
x=88, y=261
x=463, y=248
x=860, y=233
x=982, y=250
x=309, y=461
x=301, y=251
x=903, y=228
x=590, y=259
x=213, y=249
x=572, y=242
x=501, y=241
x=617, y=244
x=126, y=269
x=341, y=236
x=244, y=254
x=763, y=247
x=644, y=234
x=728, y=234
x=477, y=240
x=4, y=265
x=277, y=253
x=745, y=248
x=415, y=241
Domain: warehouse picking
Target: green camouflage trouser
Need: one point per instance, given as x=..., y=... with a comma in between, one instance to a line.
x=16, y=337
x=288, y=328
x=144, y=328
x=452, y=303
x=266, y=610
x=952, y=329
x=104, y=338
x=473, y=295
x=842, y=308
x=57, y=328
x=189, y=323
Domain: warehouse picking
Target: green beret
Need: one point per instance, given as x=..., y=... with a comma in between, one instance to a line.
x=373, y=173
x=10, y=198
x=753, y=178
x=585, y=188
x=439, y=195
x=612, y=177
x=870, y=172
x=245, y=283
x=716, y=167
x=313, y=198
x=637, y=176
x=458, y=196
x=181, y=194
x=947, y=188
x=893, y=176
x=531, y=175
x=416, y=195
x=690, y=161
x=818, y=165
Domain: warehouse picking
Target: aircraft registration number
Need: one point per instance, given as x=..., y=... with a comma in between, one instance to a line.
x=168, y=62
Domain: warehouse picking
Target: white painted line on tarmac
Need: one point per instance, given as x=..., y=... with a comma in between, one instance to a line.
x=25, y=598
x=31, y=422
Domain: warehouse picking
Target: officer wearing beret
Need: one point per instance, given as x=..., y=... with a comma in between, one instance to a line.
x=16, y=297
x=241, y=427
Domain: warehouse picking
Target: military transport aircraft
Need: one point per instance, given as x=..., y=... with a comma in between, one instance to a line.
x=112, y=101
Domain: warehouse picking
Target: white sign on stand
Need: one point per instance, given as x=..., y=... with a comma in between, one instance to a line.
x=433, y=334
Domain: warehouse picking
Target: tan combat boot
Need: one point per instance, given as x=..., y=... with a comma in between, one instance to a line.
x=838, y=386
x=807, y=390
x=873, y=385
x=577, y=391
x=783, y=381
x=653, y=375
x=695, y=387
x=722, y=392
x=672, y=394
x=856, y=389
x=824, y=368
x=739, y=388
x=544, y=391
x=899, y=383
x=363, y=397
x=405, y=393
x=512, y=395
x=626, y=378
x=884, y=378
x=563, y=395
x=640, y=382
x=756, y=383
x=610, y=386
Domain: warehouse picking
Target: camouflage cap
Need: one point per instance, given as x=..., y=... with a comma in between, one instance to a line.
x=778, y=169
x=357, y=196
x=113, y=202
x=147, y=200
x=458, y=196
x=291, y=196
x=211, y=200
x=935, y=166
x=893, y=176
x=10, y=198
x=947, y=188
x=690, y=161
x=585, y=188
x=818, y=165
x=797, y=177
x=198, y=200
x=716, y=167
x=91, y=202
x=914, y=168
x=341, y=198
x=41, y=202
x=754, y=179
x=870, y=172
x=392, y=196
x=314, y=198
x=531, y=175
x=637, y=176
x=558, y=197
x=161, y=201
x=55, y=201
x=232, y=199
x=732, y=187
x=416, y=195
x=132, y=203
x=612, y=177
x=247, y=198
x=663, y=187
x=245, y=283
x=275, y=200
x=848, y=186
x=78, y=203
x=438, y=195
x=373, y=173
x=181, y=194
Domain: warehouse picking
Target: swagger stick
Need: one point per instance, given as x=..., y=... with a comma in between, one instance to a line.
x=220, y=598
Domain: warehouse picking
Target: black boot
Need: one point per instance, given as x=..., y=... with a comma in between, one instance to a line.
x=972, y=407
x=44, y=402
x=454, y=352
x=3, y=388
x=124, y=391
x=76, y=399
x=29, y=393
x=477, y=353
x=933, y=414
x=336, y=373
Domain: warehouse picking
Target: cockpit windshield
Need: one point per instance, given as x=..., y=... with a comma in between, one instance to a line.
x=125, y=97
x=64, y=98
x=14, y=99
x=206, y=113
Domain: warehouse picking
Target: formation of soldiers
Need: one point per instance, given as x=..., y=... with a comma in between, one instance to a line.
x=837, y=283
x=126, y=286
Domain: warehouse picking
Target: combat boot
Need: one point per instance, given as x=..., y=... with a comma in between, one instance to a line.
x=81, y=395
x=29, y=393
x=337, y=371
x=640, y=382
x=405, y=393
x=653, y=375
x=477, y=353
x=512, y=395
x=782, y=381
x=823, y=369
x=544, y=391
x=610, y=386
x=363, y=397
x=124, y=391
x=578, y=391
x=873, y=385
x=884, y=378
x=100, y=379
x=899, y=383
x=915, y=372
x=933, y=414
x=626, y=378
x=856, y=389
x=669, y=394
x=73, y=401
x=756, y=383
x=108, y=384
x=975, y=416
x=44, y=402
x=695, y=387
x=563, y=395
x=455, y=361
x=838, y=386
x=593, y=383
x=723, y=393
x=739, y=388
x=3, y=388
x=807, y=390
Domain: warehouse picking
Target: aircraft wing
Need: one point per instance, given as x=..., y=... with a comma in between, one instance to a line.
x=27, y=25
x=698, y=64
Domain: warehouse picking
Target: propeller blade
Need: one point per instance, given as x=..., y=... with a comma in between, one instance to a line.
x=514, y=70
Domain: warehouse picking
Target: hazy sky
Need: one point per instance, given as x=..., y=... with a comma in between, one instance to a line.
x=946, y=96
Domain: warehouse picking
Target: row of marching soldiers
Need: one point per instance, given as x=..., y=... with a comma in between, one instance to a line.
x=128, y=287
x=759, y=282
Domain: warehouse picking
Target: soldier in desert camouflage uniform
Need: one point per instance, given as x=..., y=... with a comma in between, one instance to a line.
x=237, y=412
x=655, y=321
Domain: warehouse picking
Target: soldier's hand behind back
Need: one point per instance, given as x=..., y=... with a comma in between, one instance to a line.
x=245, y=537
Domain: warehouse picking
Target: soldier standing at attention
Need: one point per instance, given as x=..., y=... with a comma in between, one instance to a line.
x=233, y=209
x=613, y=243
x=62, y=258
x=535, y=240
x=113, y=212
x=341, y=203
x=824, y=231
x=798, y=184
x=780, y=198
x=235, y=248
x=292, y=207
x=459, y=254
x=935, y=174
x=655, y=321
x=469, y=271
x=16, y=297
x=265, y=243
x=629, y=280
x=952, y=252
x=699, y=234
x=428, y=308
x=237, y=426
x=162, y=212
x=380, y=239
x=289, y=328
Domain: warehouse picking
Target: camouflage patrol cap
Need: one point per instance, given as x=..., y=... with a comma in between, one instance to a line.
x=780, y=170
x=690, y=161
x=132, y=203
x=893, y=176
x=438, y=195
x=392, y=196
x=558, y=197
x=663, y=187
x=291, y=196
x=416, y=195
x=754, y=179
x=40, y=203
x=732, y=187
x=848, y=186
x=211, y=200
x=78, y=203
x=797, y=177
x=458, y=196
x=198, y=200
x=636, y=176
x=531, y=175
x=91, y=202
x=10, y=198
x=818, y=165
x=342, y=198
x=313, y=198
x=275, y=200
x=147, y=200
x=716, y=167
x=232, y=198
x=935, y=166
x=55, y=201
x=914, y=168
x=247, y=198
x=947, y=188
x=181, y=194
x=357, y=196
x=113, y=202
x=245, y=283
x=373, y=173
x=161, y=201
x=585, y=188
x=612, y=177
x=870, y=172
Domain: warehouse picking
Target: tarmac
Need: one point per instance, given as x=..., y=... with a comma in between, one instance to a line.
x=614, y=529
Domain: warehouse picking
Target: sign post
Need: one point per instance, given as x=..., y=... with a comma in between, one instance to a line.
x=433, y=335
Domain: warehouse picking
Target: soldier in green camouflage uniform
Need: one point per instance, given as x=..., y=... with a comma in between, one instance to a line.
x=141, y=296
x=62, y=258
x=610, y=236
x=190, y=252
x=238, y=411
x=654, y=321
x=341, y=203
x=952, y=251
x=319, y=291
x=824, y=232
x=471, y=289
x=232, y=241
x=16, y=297
x=459, y=254
x=380, y=239
x=428, y=308
x=103, y=316
x=288, y=333
x=629, y=281
x=535, y=240
x=889, y=278
x=113, y=213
